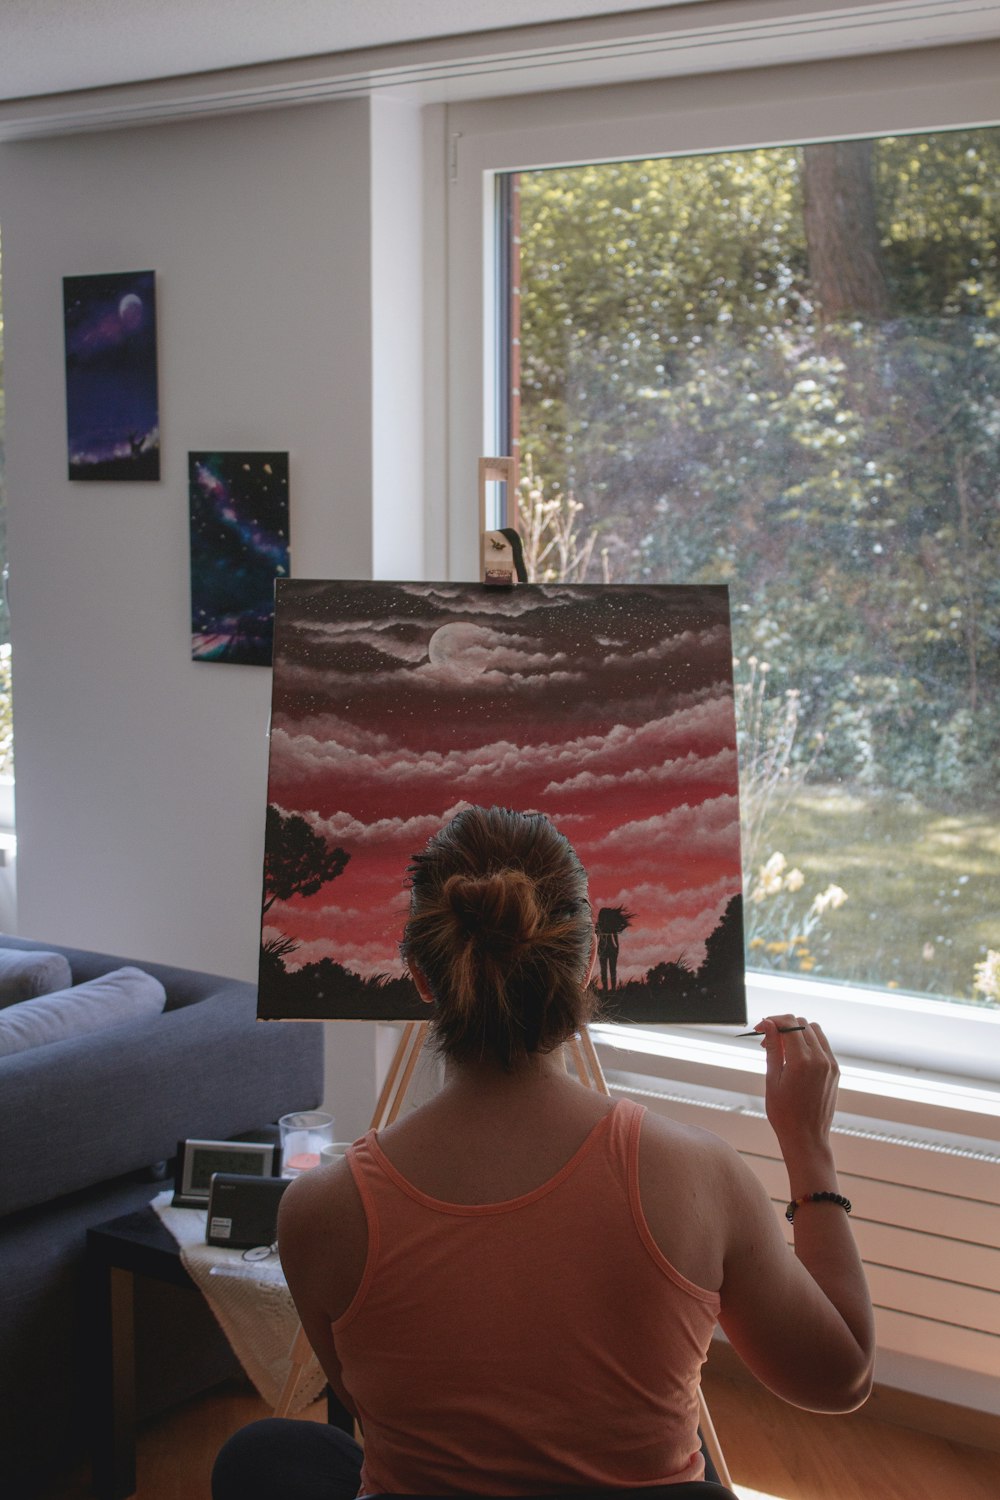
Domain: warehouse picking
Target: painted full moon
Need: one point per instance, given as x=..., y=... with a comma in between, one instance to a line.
x=460, y=648
x=130, y=311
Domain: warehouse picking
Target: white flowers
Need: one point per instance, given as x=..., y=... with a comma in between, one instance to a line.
x=778, y=933
x=771, y=879
x=987, y=980
x=829, y=900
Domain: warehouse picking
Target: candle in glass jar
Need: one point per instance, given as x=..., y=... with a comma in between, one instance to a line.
x=303, y=1161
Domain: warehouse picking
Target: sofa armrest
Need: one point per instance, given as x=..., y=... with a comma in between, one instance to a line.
x=183, y=986
x=81, y=1111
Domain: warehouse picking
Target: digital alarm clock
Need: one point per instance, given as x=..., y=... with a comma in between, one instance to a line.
x=198, y=1161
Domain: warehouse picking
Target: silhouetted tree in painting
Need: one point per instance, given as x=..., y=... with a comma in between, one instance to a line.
x=723, y=963
x=672, y=978
x=298, y=861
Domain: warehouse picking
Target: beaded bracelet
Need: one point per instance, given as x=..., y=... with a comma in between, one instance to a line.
x=845, y=1203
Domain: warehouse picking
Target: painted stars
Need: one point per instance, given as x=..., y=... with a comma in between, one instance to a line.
x=239, y=546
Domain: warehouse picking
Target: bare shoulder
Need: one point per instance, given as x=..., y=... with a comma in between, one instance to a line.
x=325, y=1198
x=687, y=1178
x=323, y=1235
x=668, y=1145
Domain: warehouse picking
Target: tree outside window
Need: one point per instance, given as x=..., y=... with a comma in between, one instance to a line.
x=780, y=369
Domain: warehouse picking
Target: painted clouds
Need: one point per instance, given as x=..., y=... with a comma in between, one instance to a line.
x=608, y=709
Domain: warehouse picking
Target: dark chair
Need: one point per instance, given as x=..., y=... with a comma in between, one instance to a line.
x=278, y=1458
x=699, y=1489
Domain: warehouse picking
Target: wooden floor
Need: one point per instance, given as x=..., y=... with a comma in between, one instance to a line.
x=796, y=1455
x=772, y=1450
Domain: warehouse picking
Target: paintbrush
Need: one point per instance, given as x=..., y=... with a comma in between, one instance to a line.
x=760, y=1033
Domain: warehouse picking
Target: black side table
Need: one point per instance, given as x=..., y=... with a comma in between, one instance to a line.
x=137, y=1244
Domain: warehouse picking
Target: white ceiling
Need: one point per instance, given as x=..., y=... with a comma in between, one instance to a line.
x=52, y=46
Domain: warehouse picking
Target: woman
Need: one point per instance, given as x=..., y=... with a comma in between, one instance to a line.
x=515, y=1287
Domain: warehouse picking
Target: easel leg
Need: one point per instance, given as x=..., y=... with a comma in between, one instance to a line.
x=710, y=1438
x=412, y=1044
x=587, y=1063
x=392, y=1077
x=299, y=1356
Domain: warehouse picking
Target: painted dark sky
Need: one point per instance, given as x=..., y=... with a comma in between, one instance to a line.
x=111, y=384
x=608, y=709
x=239, y=545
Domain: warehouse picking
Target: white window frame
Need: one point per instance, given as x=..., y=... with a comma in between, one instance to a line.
x=908, y=1048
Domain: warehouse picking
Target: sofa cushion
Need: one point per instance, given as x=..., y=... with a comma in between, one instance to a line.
x=23, y=975
x=123, y=995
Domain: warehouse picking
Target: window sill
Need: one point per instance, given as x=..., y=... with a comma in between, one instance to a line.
x=920, y=1063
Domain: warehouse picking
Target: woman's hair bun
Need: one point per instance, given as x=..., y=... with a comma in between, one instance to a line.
x=501, y=929
x=499, y=910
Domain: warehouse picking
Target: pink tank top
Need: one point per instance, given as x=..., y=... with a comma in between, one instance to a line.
x=525, y=1347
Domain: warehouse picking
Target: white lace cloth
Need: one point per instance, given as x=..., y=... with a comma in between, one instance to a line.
x=251, y=1303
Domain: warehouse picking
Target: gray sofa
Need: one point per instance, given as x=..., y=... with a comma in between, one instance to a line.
x=86, y=1126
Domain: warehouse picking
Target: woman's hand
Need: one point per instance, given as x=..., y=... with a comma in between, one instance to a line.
x=803, y=1323
x=800, y=1094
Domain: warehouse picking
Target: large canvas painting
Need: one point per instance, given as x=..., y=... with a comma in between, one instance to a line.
x=239, y=547
x=112, y=406
x=609, y=709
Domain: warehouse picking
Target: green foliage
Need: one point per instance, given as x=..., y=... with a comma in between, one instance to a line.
x=921, y=884
x=680, y=395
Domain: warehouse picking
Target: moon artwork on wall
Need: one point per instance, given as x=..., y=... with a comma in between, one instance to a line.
x=112, y=404
x=607, y=708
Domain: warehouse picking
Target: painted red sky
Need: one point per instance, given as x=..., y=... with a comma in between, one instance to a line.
x=610, y=710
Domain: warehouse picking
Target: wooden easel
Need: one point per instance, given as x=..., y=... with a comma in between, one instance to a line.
x=581, y=1052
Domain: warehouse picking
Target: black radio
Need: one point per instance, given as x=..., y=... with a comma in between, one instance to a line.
x=243, y=1211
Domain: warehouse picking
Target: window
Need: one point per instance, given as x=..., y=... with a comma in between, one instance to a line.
x=780, y=368
x=918, y=91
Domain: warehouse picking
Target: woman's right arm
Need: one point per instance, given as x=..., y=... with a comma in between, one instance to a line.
x=802, y=1323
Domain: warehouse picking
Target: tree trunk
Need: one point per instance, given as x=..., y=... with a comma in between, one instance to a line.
x=845, y=262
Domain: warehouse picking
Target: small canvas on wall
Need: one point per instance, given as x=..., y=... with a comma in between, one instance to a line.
x=239, y=546
x=609, y=709
x=112, y=407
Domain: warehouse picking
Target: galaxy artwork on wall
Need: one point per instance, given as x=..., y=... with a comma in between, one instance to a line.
x=607, y=708
x=112, y=408
x=239, y=546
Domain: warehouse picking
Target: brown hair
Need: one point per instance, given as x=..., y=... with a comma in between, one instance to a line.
x=501, y=928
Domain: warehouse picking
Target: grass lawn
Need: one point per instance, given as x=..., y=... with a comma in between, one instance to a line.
x=923, y=887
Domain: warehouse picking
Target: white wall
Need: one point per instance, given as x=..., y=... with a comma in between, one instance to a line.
x=397, y=340
x=140, y=774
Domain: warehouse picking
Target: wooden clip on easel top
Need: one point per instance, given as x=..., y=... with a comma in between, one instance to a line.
x=502, y=556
